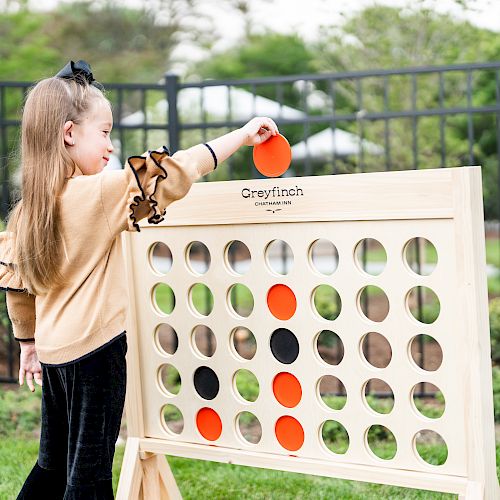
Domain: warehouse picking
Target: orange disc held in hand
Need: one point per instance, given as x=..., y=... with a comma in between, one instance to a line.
x=272, y=158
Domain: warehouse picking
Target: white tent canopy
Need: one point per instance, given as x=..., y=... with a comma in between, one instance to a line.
x=322, y=145
x=217, y=102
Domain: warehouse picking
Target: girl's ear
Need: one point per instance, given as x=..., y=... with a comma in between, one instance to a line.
x=68, y=133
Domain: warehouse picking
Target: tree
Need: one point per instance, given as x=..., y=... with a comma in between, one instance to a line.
x=122, y=44
x=387, y=38
x=268, y=54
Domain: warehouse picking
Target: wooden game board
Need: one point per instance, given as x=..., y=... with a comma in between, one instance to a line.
x=444, y=206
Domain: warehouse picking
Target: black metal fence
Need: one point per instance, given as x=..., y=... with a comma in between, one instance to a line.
x=362, y=121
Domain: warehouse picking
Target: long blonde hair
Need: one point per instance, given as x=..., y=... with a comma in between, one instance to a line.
x=45, y=167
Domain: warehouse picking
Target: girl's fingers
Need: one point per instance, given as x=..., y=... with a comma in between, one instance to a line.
x=265, y=135
x=21, y=376
x=38, y=378
x=29, y=381
x=271, y=126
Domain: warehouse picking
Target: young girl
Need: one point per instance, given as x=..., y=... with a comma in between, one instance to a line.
x=61, y=266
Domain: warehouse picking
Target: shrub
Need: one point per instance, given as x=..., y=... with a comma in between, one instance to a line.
x=496, y=392
x=20, y=411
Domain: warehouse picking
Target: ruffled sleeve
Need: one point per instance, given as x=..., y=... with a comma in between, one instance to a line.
x=20, y=303
x=151, y=182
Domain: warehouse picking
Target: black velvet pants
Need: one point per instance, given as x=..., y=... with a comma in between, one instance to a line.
x=82, y=406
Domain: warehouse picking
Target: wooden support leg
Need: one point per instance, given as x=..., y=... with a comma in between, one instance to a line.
x=131, y=472
x=474, y=491
x=159, y=482
x=145, y=476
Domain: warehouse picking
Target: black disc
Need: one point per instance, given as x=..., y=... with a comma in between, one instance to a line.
x=206, y=382
x=284, y=346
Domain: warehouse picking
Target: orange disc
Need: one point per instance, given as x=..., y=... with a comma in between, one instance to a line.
x=209, y=424
x=289, y=433
x=287, y=389
x=281, y=302
x=272, y=158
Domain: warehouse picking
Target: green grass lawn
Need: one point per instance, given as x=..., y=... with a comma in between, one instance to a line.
x=200, y=479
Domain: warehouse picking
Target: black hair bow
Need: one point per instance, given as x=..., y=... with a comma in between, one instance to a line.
x=81, y=72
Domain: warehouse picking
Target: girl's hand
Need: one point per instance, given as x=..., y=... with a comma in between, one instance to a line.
x=29, y=366
x=258, y=130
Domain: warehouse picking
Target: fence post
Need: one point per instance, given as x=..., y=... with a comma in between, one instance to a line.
x=172, y=88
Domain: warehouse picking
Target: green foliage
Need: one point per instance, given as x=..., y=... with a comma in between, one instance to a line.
x=433, y=454
x=20, y=412
x=247, y=385
x=327, y=302
x=122, y=44
x=494, y=308
x=26, y=52
x=269, y=54
x=496, y=392
x=388, y=37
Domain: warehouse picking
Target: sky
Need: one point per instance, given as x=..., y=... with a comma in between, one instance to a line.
x=305, y=16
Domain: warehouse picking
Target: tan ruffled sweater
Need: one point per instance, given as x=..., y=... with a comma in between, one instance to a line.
x=72, y=321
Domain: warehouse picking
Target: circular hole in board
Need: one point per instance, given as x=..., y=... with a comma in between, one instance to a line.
x=334, y=437
x=381, y=442
x=428, y=400
x=247, y=385
x=431, y=447
x=198, y=257
x=166, y=339
x=378, y=396
x=204, y=341
x=324, y=256
x=241, y=300
x=279, y=257
x=326, y=302
x=243, y=342
x=420, y=256
x=238, y=257
x=201, y=299
x=329, y=347
x=172, y=419
x=426, y=352
x=332, y=392
x=163, y=299
x=160, y=258
x=370, y=256
x=423, y=304
x=376, y=350
x=373, y=303
x=249, y=427
x=169, y=379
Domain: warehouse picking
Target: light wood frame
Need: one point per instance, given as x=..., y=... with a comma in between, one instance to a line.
x=441, y=205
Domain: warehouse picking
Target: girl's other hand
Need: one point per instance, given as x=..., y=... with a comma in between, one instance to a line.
x=29, y=366
x=258, y=130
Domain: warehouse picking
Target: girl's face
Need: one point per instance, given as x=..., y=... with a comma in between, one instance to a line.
x=91, y=137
